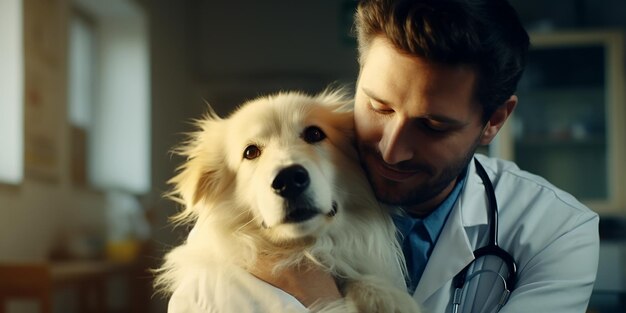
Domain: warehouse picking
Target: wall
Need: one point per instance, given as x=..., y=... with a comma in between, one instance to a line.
x=32, y=213
x=35, y=214
x=278, y=36
x=246, y=48
x=46, y=205
x=171, y=100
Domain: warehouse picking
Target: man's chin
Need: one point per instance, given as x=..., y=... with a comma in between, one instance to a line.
x=391, y=193
x=404, y=194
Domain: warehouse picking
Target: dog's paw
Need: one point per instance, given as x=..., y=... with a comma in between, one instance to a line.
x=374, y=297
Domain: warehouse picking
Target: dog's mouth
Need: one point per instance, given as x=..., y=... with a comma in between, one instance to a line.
x=301, y=214
x=333, y=211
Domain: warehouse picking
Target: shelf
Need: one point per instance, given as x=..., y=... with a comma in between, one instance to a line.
x=569, y=126
x=547, y=142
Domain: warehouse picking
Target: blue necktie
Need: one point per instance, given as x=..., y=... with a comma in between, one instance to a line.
x=416, y=250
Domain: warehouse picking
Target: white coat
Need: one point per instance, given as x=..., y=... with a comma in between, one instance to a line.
x=552, y=237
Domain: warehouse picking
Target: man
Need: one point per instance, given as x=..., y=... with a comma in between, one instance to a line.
x=437, y=79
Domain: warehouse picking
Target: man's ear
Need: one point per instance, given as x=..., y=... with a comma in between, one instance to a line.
x=497, y=119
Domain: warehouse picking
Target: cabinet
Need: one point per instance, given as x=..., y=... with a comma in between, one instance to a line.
x=569, y=125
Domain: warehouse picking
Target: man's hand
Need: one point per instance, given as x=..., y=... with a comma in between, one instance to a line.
x=308, y=282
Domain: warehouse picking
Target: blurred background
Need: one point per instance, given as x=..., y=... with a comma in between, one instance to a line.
x=94, y=94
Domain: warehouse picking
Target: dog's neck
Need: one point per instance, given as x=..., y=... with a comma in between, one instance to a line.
x=286, y=248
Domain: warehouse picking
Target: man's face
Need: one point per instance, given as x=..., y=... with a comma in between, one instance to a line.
x=417, y=124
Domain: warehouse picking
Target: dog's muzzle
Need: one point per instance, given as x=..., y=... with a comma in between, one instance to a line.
x=291, y=182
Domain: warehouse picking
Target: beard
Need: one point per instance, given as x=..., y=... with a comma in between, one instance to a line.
x=408, y=194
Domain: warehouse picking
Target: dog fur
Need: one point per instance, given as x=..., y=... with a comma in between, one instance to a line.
x=227, y=187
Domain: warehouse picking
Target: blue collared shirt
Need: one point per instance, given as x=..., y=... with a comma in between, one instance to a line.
x=419, y=235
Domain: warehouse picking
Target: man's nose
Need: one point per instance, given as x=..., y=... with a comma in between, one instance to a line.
x=396, y=144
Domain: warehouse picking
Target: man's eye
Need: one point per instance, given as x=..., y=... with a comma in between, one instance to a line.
x=379, y=108
x=313, y=134
x=435, y=128
x=252, y=152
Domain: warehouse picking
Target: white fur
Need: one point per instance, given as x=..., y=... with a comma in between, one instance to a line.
x=237, y=216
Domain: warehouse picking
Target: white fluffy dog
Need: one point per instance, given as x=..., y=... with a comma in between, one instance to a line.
x=280, y=177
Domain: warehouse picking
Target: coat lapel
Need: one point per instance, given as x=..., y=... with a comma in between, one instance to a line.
x=455, y=247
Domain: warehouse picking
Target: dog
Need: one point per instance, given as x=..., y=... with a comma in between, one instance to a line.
x=280, y=177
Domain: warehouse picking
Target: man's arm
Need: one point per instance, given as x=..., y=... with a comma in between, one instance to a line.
x=309, y=283
x=560, y=278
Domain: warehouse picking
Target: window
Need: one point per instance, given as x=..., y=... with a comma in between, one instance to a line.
x=82, y=74
x=11, y=92
x=109, y=96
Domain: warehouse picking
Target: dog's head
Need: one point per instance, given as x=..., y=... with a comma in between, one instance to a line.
x=273, y=166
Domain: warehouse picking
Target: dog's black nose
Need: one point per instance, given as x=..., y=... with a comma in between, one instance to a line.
x=291, y=181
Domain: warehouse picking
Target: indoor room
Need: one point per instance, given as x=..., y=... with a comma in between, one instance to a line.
x=95, y=97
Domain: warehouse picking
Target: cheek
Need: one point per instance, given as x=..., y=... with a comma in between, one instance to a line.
x=245, y=180
x=445, y=151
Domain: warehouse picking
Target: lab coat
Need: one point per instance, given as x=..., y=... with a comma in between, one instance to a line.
x=553, y=238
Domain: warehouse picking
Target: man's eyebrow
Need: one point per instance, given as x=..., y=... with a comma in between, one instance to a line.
x=445, y=120
x=372, y=95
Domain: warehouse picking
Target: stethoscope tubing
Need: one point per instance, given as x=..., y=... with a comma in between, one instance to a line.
x=492, y=248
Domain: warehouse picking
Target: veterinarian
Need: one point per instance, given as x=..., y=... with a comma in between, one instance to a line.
x=438, y=79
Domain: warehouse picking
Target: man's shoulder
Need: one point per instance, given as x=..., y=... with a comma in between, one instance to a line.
x=530, y=191
x=537, y=216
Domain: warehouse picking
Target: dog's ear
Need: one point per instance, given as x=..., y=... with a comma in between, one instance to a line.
x=340, y=116
x=203, y=176
x=340, y=108
x=341, y=105
x=212, y=183
x=337, y=98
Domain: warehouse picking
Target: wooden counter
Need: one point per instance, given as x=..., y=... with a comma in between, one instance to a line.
x=38, y=281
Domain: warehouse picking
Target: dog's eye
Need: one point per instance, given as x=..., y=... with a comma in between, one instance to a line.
x=313, y=134
x=252, y=152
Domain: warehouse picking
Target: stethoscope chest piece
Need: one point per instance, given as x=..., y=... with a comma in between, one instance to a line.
x=484, y=258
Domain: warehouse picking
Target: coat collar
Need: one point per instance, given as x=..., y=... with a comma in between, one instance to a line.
x=454, y=249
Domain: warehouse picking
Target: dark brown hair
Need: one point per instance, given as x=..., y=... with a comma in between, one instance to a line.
x=485, y=34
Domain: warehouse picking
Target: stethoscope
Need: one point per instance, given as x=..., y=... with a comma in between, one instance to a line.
x=491, y=249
